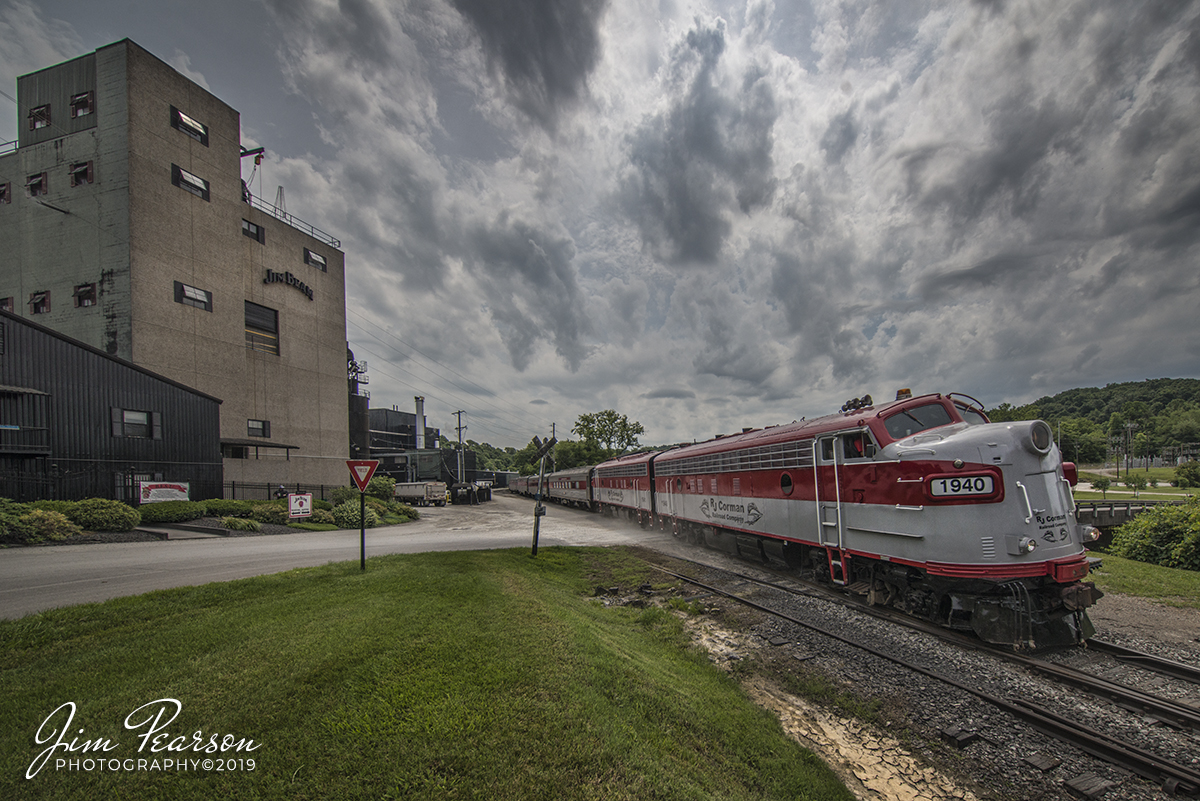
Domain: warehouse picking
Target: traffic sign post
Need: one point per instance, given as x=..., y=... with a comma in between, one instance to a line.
x=361, y=470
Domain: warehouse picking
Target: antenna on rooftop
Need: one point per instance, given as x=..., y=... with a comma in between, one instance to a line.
x=280, y=201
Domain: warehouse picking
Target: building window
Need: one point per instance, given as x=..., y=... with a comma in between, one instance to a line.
x=315, y=259
x=81, y=173
x=39, y=303
x=37, y=184
x=39, y=117
x=136, y=424
x=6, y=304
x=193, y=128
x=262, y=328
x=85, y=295
x=235, y=451
x=258, y=428
x=191, y=183
x=255, y=232
x=5, y=193
x=83, y=104
x=190, y=296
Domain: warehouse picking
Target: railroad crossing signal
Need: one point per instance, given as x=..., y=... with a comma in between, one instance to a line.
x=361, y=470
x=544, y=447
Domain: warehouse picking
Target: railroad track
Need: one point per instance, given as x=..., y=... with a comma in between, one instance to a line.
x=1173, y=777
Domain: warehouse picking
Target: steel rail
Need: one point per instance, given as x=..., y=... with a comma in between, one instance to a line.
x=1167, y=667
x=1172, y=777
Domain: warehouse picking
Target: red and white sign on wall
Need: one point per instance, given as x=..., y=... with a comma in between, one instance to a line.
x=361, y=470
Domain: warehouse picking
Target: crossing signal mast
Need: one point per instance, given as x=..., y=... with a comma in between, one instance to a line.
x=543, y=449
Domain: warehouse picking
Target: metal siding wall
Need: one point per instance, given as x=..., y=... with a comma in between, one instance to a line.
x=84, y=386
x=55, y=86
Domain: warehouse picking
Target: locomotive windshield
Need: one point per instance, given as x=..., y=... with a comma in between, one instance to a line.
x=910, y=421
x=969, y=415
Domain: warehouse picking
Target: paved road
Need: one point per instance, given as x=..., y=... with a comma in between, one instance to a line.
x=35, y=579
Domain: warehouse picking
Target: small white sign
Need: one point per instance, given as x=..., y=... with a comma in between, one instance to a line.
x=299, y=505
x=154, y=491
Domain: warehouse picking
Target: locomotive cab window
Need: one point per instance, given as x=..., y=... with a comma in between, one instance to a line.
x=858, y=445
x=969, y=415
x=920, y=418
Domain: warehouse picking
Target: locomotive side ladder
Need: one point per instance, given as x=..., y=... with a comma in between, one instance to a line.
x=829, y=512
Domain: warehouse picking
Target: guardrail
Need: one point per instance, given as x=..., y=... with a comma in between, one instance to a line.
x=1105, y=514
x=283, y=216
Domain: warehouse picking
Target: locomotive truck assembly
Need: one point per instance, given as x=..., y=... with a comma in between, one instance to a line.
x=922, y=504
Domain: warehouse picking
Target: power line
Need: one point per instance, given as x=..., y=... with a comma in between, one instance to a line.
x=500, y=413
x=412, y=347
x=423, y=389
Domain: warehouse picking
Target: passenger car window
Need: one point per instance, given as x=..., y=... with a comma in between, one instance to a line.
x=920, y=418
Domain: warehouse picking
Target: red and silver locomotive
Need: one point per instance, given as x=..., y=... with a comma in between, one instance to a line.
x=921, y=503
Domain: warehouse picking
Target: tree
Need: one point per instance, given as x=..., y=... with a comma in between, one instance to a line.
x=1135, y=482
x=568, y=454
x=1007, y=413
x=1102, y=484
x=614, y=431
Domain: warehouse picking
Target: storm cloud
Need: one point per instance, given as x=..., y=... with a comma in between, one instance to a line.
x=724, y=213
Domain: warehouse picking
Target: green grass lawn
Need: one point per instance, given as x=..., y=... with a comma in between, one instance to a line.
x=1163, y=584
x=485, y=675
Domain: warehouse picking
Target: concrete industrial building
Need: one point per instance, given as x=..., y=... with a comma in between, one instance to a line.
x=125, y=224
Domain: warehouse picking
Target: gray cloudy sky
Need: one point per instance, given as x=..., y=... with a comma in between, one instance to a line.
x=711, y=215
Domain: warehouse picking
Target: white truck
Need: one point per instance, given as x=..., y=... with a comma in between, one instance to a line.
x=422, y=493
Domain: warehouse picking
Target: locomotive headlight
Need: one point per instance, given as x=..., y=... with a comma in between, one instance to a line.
x=1091, y=534
x=1028, y=545
x=1040, y=437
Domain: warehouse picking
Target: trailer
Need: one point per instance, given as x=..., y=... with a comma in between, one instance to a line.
x=422, y=493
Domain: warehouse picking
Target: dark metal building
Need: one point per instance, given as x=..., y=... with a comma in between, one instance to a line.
x=77, y=423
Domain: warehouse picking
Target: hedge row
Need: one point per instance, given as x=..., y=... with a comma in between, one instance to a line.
x=1167, y=535
x=56, y=520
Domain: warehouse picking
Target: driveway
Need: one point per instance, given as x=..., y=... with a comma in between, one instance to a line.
x=34, y=579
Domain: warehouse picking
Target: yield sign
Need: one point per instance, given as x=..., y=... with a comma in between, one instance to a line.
x=361, y=471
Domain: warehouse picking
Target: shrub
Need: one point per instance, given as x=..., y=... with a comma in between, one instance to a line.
x=11, y=527
x=240, y=524
x=345, y=515
x=319, y=504
x=1167, y=535
x=404, y=510
x=101, y=514
x=342, y=495
x=220, y=507
x=43, y=524
x=322, y=516
x=270, y=513
x=171, y=511
x=382, y=487
x=1189, y=471
x=62, y=507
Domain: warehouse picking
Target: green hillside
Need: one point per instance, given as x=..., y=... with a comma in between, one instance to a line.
x=1147, y=418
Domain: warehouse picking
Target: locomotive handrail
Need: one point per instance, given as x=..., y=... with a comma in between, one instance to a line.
x=1028, y=505
x=1070, y=494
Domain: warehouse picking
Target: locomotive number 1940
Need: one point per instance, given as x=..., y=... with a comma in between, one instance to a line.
x=962, y=485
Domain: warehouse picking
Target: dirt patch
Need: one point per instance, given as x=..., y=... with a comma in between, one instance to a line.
x=1137, y=617
x=872, y=764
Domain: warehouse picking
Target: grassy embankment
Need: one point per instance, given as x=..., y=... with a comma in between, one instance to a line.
x=447, y=675
x=1161, y=584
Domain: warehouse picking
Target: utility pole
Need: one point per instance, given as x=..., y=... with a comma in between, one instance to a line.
x=460, y=429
